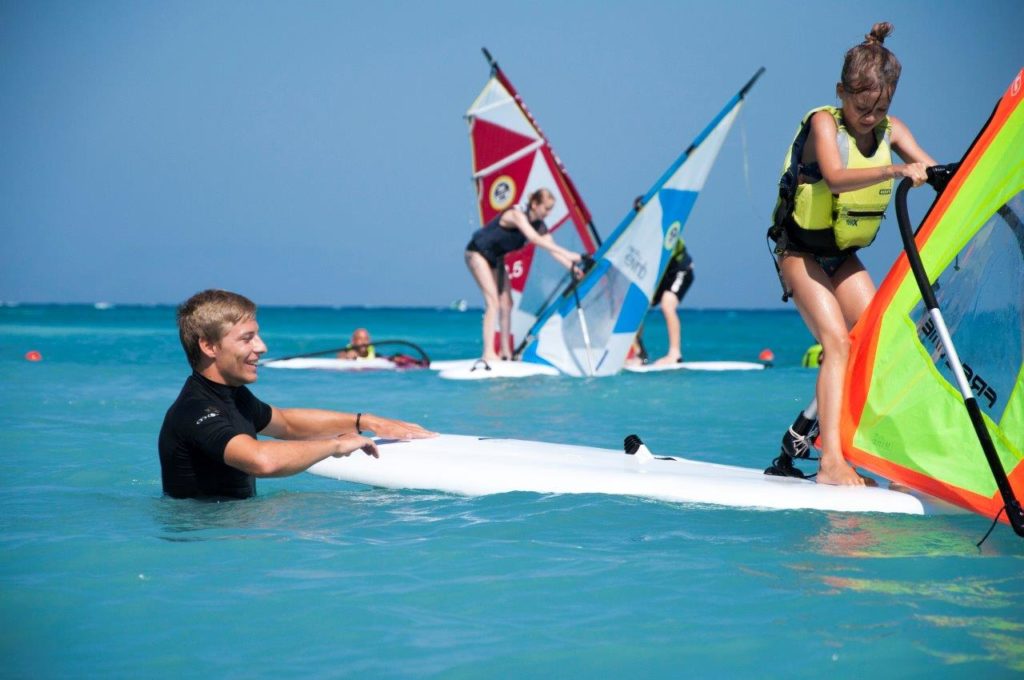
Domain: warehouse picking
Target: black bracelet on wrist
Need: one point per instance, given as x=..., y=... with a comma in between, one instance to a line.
x=359, y=430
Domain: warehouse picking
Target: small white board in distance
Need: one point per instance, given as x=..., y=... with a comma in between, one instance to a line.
x=696, y=366
x=451, y=364
x=478, y=466
x=333, y=364
x=478, y=370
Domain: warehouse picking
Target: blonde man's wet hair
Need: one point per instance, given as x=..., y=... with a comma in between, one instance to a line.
x=210, y=314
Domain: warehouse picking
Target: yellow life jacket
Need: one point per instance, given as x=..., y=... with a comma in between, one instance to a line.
x=818, y=221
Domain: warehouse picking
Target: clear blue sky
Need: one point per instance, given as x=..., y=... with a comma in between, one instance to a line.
x=315, y=152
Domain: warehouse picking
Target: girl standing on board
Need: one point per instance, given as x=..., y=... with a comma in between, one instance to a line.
x=835, y=187
x=485, y=257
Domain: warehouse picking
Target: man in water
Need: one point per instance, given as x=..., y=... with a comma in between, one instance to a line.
x=208, y=445
x=359, y=347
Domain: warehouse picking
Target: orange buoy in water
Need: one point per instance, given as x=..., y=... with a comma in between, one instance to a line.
x=766, y=356
x=33, y=355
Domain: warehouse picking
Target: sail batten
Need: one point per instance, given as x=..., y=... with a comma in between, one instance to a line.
x=511, y=158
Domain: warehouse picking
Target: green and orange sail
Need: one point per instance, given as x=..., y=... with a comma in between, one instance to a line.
x=903, y=416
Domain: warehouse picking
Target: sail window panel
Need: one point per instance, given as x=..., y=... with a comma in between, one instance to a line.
x=981, y=295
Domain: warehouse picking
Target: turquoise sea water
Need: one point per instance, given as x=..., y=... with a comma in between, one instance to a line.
x=102, y=577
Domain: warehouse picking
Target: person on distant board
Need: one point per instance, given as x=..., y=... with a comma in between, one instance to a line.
x=208, y=445
x=671, y=289
x=359, y=346
x=507, y=232
x=674, y=284
x=834, y=190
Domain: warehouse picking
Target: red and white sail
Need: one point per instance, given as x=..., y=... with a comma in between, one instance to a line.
x=511, y=159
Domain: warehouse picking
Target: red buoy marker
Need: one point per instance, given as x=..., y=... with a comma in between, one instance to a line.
x=33, y=355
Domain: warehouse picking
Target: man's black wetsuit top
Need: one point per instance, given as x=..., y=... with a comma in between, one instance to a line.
x=197, y=429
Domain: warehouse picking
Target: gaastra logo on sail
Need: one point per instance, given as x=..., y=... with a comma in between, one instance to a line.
x=634, y=262
x=502, y=192
x=672, y=235
x=927, y=331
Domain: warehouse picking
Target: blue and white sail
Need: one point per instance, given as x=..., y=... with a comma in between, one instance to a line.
x=589, y=329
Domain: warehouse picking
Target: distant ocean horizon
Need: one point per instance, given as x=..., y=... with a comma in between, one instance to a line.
x=471, y=307
x=730, y=337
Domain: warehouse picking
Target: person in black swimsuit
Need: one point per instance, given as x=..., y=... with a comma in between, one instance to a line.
x=676, y=281
x=208, y=445
x=485, y=255
x=671, y=289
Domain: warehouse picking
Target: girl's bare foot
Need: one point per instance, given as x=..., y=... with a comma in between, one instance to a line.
x=835, y=470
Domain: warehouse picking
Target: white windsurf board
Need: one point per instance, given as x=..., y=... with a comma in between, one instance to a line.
x=476, y=466
x=333, y=364
x=478, y=369
x=696, y=366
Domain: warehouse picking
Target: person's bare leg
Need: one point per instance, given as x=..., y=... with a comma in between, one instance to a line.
x=819, y=306
x=505, y=305
x=669, y=304
x=484, y=276
x=854, y=290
